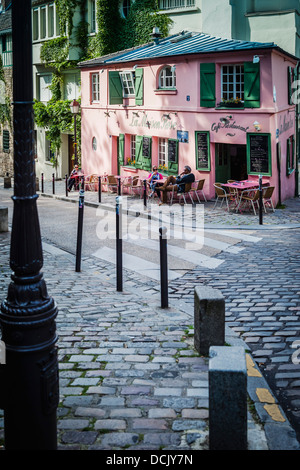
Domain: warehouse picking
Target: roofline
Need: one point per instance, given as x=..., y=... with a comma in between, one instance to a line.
x=98, y=62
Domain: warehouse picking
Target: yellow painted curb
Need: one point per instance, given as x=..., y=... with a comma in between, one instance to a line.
x=264, y=395
x=251, y=369
x=274, y=412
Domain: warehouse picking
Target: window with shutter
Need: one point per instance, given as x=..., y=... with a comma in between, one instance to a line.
x=139, y=87
x=207, y=85
x=115, y=88
x=252, y=85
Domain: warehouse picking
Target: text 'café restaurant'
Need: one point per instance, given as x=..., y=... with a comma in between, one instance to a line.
x=221, y=106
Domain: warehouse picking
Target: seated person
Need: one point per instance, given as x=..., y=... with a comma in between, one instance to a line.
x=180, y=181
x=72, y=178
x=153, y=178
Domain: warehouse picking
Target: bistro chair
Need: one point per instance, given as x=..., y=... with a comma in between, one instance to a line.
x=175, y=194
x=197, y=189
x=249, y=197
x=221, y=195
x=91, y=183
x=267, y=197
x=112, y=183
x=137, y=187
x=233, y=192
x=131, y=180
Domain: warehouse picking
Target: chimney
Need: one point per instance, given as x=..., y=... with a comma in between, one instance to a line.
x=156, y=34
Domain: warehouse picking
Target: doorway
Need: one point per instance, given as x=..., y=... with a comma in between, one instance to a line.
x=231, y=162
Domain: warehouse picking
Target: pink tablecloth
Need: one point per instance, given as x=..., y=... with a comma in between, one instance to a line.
x=245, y=184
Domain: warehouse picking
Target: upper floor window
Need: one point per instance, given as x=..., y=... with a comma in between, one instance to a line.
x=232, y=82
x=167, y=77
x=127, y=80
x=125, y=7
x=170, y=4
x=92, y=16
x=44, y=84
x=45, y=24
x=95, y=87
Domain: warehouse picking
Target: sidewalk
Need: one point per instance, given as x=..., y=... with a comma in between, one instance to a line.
x=129, y=375
x=287, y=217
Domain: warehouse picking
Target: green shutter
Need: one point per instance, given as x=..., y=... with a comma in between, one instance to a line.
x=147, y=152
x=139, y=87
x=173, y=156
x=208, y=85
x=115, y=88
x=121, y=150
x=290, y=79
x=251, y=85
x=139, y=151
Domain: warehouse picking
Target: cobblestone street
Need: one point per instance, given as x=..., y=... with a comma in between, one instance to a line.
x=129, y=374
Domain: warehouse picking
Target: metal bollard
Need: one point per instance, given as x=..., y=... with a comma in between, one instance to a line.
x=79, y=230
x=66, y=181
x=119, y=244
x=163, y=267
x=119, y=186
x=145, y=194
x=53, y=184
x=260, y=201
x=42, y=178
x=99, y=189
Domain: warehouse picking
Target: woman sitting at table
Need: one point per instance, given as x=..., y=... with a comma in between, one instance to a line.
x=153, y=178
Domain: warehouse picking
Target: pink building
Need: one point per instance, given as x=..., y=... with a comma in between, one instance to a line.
x=223, y=107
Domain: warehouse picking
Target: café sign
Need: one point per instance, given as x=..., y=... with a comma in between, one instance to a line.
x=164, y=123
x=225, y=123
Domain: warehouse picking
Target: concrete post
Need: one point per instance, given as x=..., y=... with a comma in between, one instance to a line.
x=227, y=398
x=209, y=319
x=3, y=219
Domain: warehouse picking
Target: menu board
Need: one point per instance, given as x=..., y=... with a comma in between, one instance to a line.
x=259, y=151
x=172, y=150
x=202, y=151
x=147, y=147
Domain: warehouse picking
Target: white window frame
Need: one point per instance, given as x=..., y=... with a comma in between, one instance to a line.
x=95, y=87
x=132, y=147
x=92, y=16
x=237, y=82
x=167, y=78
x=49, y=9
x=128, y=83
x=175, y=4
x=45, y=93
x=162, y=152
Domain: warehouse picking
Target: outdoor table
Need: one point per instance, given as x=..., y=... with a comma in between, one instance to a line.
x=244, y=185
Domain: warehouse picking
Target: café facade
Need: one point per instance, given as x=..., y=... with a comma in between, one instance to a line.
x=224, y=107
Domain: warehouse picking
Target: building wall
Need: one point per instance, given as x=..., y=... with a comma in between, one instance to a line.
x=163, y=114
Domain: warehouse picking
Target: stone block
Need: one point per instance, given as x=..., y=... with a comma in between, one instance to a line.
x=227, y=398
x=209, y=319
x=3, y=219
x=7, y=182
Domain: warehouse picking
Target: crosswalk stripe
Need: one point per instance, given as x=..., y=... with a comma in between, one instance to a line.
x=134, y=263
x=187, y=255
x=239, y=235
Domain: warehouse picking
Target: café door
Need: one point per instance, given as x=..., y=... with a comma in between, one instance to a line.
x=222, y=162
x=231, y=162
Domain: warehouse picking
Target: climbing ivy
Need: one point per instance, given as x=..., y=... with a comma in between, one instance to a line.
x=5, y=107
x=113, y=33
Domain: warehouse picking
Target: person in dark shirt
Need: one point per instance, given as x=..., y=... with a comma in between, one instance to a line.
x=73, y=177
x=180, y=181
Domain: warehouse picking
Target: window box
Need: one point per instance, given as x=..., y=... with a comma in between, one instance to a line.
x=234, y=103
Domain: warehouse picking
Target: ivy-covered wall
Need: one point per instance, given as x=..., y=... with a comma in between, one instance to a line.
x=113, y=33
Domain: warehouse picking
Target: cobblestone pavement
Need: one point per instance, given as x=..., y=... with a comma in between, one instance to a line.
x=129, y=375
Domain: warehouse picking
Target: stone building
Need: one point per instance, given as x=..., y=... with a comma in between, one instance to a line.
x=6, y=127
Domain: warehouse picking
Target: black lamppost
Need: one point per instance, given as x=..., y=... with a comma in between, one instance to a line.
x=74, y=106
x=29, y=379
